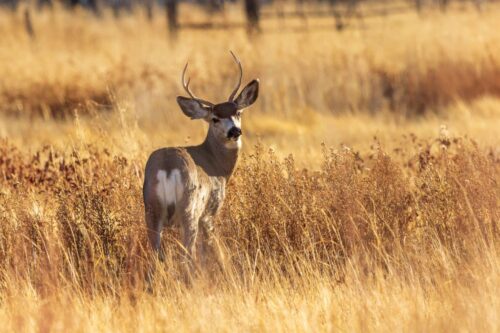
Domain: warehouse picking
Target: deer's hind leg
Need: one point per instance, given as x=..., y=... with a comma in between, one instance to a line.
x=154, y=225
x=154, y=222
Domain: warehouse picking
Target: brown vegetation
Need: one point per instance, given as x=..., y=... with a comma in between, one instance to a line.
x=75, y=222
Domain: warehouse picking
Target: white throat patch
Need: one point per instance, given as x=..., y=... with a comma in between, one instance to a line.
x=233, y=144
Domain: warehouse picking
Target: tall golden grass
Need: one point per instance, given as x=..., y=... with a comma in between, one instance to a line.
x=342, y=247
x=396, y=230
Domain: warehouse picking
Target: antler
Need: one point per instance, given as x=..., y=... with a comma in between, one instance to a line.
x=186, y=87
x=231, y=97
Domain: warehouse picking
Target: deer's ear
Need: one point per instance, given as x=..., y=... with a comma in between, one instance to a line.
x=192, y=108
x=248, y=95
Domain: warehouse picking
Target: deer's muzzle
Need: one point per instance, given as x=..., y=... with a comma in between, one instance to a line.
x=234, y=133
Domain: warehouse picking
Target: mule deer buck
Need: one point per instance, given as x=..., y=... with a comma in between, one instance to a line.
x=185, y=186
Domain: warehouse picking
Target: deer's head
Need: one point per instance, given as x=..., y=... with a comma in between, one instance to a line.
x=224, y=118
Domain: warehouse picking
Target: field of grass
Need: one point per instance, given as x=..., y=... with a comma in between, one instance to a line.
x=367, y=197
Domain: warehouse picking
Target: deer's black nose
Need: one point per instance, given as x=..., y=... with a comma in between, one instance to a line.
x=234, y=133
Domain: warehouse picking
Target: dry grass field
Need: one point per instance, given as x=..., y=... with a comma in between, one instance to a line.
x=367, y=198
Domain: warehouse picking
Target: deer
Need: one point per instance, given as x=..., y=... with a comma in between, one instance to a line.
x=184, y=187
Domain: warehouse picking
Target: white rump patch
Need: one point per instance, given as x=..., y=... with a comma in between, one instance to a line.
x=169, y=189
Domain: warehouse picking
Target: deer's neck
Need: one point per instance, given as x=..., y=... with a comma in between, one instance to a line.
x=221, y=157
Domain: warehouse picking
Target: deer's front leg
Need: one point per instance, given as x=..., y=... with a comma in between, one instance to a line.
x=209, y=246
x=189, y=231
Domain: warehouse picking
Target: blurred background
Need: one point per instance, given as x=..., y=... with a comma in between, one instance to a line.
x=335, y=72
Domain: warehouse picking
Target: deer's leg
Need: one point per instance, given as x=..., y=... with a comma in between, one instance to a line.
x=154, y=223
x=189, y=231
x=154, y=226
x=209, y=246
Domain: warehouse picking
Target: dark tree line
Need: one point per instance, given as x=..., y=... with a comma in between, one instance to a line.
x=342, y=10
x=252, y=8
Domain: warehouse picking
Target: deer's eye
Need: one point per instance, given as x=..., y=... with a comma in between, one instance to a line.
x=215, y=120
x=238, y=114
